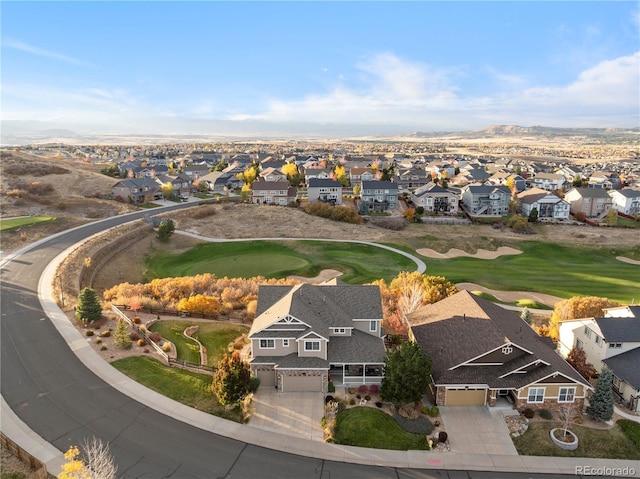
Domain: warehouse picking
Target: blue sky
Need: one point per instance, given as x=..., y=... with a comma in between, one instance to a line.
x=176, y=67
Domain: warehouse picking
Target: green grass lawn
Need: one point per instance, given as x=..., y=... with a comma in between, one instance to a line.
x=214, y=337
x=369, y=427
x=280, y=259
x=560, y=270
x=631, y=430
x=186, y=387
x=10, y=223
x=596, y=443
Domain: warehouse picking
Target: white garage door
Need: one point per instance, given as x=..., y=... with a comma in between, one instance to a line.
x=302, y=384
x=465, y=397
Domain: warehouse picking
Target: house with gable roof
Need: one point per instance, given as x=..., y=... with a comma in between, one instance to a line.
x=486, y=199
x=612, y=341
x=482, y=352
x=626, y=201
x=592, y=202
x=304, y=334
x=548, y=205
x=435, y=199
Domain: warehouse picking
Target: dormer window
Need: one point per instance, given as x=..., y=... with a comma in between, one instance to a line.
x=507, y=349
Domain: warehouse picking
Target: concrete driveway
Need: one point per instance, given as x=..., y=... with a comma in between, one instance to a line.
x=294, y=414
x=477, y=430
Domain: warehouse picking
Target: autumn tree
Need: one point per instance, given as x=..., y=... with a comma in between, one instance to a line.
x=340, y=174
x=410, y=215
x=577, y=307
x=611, y=218
x=165, y=230
x=121, y=337
x=406, y=374
x=293, y=175
x=232, y=379
x=89, y=308
x=357, y=189
x=167, y=190
x=249, y=175
x=93, y=462
x=200, y=303
x=578, y=359
x=511, y=184
x=601, y=403
x=135, y=304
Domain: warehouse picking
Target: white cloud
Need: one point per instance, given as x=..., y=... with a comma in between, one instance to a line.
x=24, y=47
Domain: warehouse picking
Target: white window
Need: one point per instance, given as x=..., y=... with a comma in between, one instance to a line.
x=312, y=345
x=536, y=395
x=615, y=345
x=587, y=332
x=579, y=344
x=566, y=394
x=617, y=383
x=339, y=330
x=285, y=343
x=267, y=344
x=598, y=340
x=373, y=326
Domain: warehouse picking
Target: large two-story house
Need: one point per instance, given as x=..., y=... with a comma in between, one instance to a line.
x=549, y=181
x=614, y=341
x=378, y=196
x=325, y=190
x=592, y=202
x=136, y=190
x=548, y=205
x=273, y=193
x=486, y=199
x=435, y=199
x=626, y=201
x=482, y=352
x=304, y=334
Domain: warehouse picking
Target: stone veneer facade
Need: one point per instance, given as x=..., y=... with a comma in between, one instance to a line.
x=551, y=405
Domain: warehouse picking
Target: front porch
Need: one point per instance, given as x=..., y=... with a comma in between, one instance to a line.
x=356, y=374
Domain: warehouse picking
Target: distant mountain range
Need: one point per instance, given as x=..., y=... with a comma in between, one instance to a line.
x=495, y=131
x=14, y=133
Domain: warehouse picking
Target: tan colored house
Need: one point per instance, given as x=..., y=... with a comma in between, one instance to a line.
x=304, y=334
x=482, y=353
x=592, y=202
x=273, y=192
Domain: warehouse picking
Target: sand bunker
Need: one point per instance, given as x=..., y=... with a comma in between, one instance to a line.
x=624, y=259
x=325, y=275
x=481, y=254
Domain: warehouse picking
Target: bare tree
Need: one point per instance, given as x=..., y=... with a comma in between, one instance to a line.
x=98, y=460
x=410, y=299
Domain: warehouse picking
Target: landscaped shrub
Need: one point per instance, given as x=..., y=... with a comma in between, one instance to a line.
x=331, y=387
x=335, y=213
x=328, y=399
x=166, y=346
x=358, y=396
x=352, y=390
x=88, y=332
x=378, y=404
x=255, y=383
x=442, y=436
x=434, y=411
x=103, y=348
x=578, y=420
x=134, y=336
x=545, y=414
x=374, y=388
x=363, y=389
x=106, y=334
x=143, y=328
x=352, y=401
x=136, y=320
x=98, y=341
x=141, y=342
x=529, y=413
x=367, y=398
x=156, y=337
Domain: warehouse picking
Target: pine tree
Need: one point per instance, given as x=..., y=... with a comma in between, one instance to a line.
x=89, y=308
x=165, y=230
x=232, y=379
x=601, y=403
x=121, y=337
x=525, y=315
x=406, y=374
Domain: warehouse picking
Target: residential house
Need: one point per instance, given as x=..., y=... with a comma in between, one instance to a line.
x=326, y=190
x=592, y=202
x=504, y=177
x=486, y=199
x=359, y=174
x=137, y=190
x=273, y=192
x=195, y=172
x=614, y=341
x=272, y=174
x=626, y=201
x=604, y=179
x=469, y=175
x=482, y=352
x=317, y=173
x=549, y=205
x=378, y=196
x=435, y=199
x=304, y=334
x=181, y=184
x=411, y=178
x=549, y=181
x=221, y=182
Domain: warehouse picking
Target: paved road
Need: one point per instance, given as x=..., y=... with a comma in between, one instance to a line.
x=53, y=393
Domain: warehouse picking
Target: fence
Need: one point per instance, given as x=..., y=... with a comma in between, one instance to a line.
x=172, y=312
x=181, y=363
x=39, y=468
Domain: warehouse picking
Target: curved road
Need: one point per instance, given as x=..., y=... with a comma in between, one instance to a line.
x=54, y=394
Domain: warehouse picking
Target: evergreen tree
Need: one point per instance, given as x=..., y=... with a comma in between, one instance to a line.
x=533, y=215
x=165, y=230
x=121, y=337
x=232, y=379
x=601, y=403
x=89, y=308
x=525, y=315
x=406, y=375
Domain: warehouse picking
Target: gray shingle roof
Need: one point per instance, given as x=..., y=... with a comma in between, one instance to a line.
x=359, y=347
x=620, y=329
x=626, y=366
x=463, y=327
x=323, y=182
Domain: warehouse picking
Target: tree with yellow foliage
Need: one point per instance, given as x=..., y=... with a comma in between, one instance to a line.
x=97, y=464
x=201, y=304
x=577, y=307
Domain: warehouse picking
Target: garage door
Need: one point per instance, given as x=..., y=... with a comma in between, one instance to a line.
x=267, y=378
x=465, y=397
x=302, y=384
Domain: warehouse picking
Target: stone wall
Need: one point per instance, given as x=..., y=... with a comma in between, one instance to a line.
x=551, y=404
